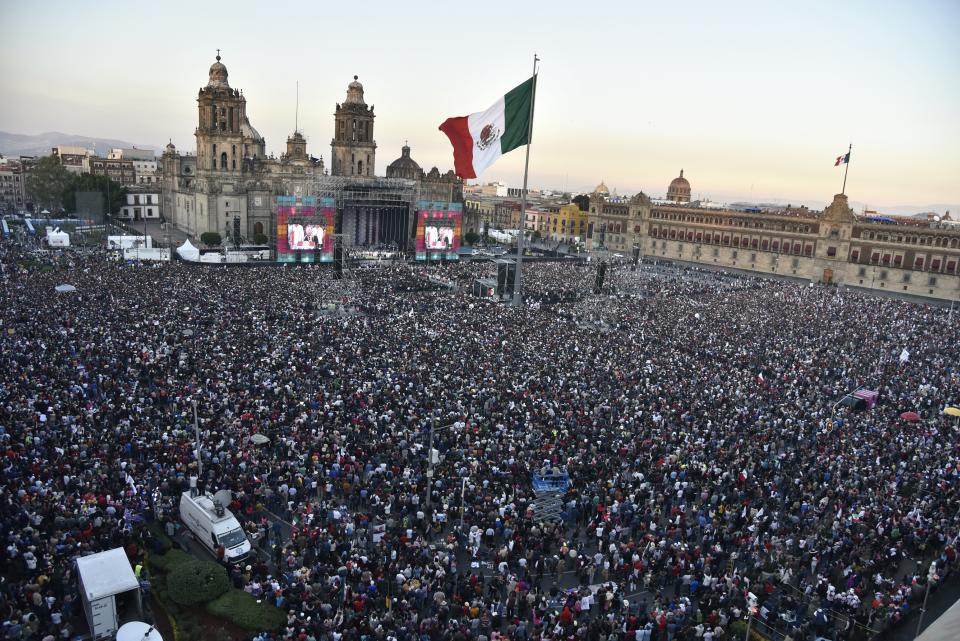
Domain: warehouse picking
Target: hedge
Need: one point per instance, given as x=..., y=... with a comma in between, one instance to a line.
x=242, y=609
x=160, y=536
x=196, y=582
x=170, y=560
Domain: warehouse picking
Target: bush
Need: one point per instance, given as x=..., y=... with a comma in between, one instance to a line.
x=738, y=630
x=196, y=582
x=170, y=560
x=242, y=609
x=259, y=239
x=160, y=536
x=211, y=238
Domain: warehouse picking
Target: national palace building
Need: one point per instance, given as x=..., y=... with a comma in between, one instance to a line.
x=917, y=257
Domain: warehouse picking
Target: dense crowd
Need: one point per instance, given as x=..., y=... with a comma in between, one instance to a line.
x=712, y=472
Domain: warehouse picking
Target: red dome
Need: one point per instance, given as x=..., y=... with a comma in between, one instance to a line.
x=679, y=189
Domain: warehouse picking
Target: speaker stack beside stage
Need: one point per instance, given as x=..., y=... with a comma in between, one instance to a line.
x=601, y=275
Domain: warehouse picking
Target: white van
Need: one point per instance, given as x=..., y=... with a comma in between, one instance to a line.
x=214, y=525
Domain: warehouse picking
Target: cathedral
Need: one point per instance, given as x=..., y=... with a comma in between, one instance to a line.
x=231, y=185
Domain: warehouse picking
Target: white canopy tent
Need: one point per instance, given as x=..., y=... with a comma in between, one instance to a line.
x=187, y=251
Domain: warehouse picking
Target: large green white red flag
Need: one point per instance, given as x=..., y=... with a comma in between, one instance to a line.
x=481, y=138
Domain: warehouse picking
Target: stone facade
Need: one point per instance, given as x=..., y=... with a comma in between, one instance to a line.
x=13, y=192
x=614, y=225
x=833, y=247
x=230, y=186
x=353, y=149
x=141, y=203
x=431, y=185
x=120, y=171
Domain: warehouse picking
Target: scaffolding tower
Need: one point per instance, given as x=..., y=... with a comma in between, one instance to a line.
x=371, y=211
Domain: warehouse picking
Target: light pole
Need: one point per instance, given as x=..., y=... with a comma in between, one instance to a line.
x=196, y=429
x=433, y=426
x=931, y=576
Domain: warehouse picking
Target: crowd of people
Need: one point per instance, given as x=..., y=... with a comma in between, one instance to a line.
x=712, y=472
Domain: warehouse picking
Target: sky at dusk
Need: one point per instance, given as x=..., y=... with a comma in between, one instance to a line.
x=753, y=100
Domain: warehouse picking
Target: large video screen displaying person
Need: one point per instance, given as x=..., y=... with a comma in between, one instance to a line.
x=438, y=237
x=302, y=237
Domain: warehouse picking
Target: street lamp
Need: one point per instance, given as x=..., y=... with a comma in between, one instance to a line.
x=931, y=577
x=430, y=455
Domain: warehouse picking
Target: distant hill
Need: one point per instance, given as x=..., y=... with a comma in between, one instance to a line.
x=12, y=145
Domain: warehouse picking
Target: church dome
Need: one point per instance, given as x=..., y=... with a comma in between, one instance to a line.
x=248, y=131
x=679, y=189
x=355, y=93
x=404, y=166
x=171, y=147
x=218, y=74
x=602, y=189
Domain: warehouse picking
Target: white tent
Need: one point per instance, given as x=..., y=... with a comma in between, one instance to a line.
x=187, y=251
x=57, y=238
x=65, y=288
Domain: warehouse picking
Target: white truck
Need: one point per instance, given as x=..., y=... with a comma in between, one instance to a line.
x=109, y=591
x=214, y=525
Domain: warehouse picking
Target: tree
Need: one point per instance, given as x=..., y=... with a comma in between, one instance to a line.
x=471, y=237
x=211, y=238
x=259, y=239
x=47, y=182
x=582, y=202
x=88, y=182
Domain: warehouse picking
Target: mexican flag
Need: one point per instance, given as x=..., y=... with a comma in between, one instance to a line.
x=480, y=139
x=842, y=160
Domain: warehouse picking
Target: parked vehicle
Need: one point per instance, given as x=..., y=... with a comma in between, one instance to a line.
x=214, y=525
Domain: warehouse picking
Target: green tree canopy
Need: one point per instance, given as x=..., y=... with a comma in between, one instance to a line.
x=47, y=182
x=471, y=237
x=582, y=201
x=211, y=238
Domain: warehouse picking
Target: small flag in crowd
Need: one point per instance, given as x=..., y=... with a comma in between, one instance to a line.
x=842, y=160
x=904, y=355
x=481, y=138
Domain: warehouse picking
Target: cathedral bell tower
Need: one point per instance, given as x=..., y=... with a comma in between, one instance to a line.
x=224, y=135
x=353, y=147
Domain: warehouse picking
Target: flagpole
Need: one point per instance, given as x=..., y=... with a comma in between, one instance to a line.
x=845, y=170
x=517, y=293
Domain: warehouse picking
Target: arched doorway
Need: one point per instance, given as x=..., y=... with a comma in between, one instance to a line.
x=258, y=229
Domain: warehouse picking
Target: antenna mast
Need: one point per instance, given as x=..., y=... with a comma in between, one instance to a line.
x=296, y=112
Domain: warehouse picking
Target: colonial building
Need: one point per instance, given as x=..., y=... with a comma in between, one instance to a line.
x=614, y=223
x=145, y=166
x=832, y=247
x=230, y=185
x=141, y=203
x=75, y=159
x=13, y=195
x=354, y=151
x=566, y=223
x=119, y=171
